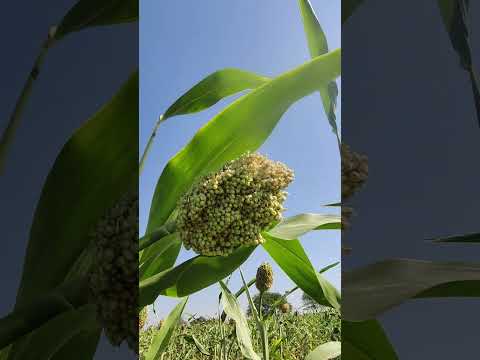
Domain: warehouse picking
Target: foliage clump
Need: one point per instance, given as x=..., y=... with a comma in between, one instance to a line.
x=229, y=208
x=113, y=277
x=264, y=278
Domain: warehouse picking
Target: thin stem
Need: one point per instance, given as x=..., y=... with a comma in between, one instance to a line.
x=149, y=143
x=22, y=100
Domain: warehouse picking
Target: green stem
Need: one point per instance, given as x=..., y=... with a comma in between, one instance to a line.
x=21, y=103
x=149, y=143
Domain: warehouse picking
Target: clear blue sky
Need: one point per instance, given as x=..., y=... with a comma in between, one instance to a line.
x=183, y=41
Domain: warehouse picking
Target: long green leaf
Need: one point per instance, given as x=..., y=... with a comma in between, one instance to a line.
x=473, y=238
x=162, y=337
x=317, y=44
x=233, y=310
x=242, y=126
x=86, y=13
x=214, y=88
x=298, y=225
x=349, y=7
x=455, y=15
x=51, y=337
x=327, y=351
x=167, y=246
x=376, y=288
x=191, y=276
x=365, y=341
x=291, y=257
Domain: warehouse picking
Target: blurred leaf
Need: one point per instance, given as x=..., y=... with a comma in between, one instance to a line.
x=81, y=346
x=94, y=169
x=466, y=238
x=234, y=311
x=298, y=225
x=191, y=276
x=365, y=340
x=455, y=15
x=192, y=339
x=24, y=319
x=291, y=257
x=86, y=13
x=162, y=337
x=317, y=45
x=243, y=126
x=376, y=288
x=348, y=8
x=51, y=337
x=327, y=351
x=214, y=88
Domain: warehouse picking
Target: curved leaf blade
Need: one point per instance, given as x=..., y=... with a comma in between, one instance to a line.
x=473, y=238
x=162, y=337
x=376, y=288
x=87, y=13
x=365, y=341
x=191, y=276
x=298, y=225
x=292, y=259
x=212, y=89
x=318, y=45
x=233, y=310
x=327, y=351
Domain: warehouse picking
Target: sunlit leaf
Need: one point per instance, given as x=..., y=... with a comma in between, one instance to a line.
x=298, y=225
x=327, y=351
x=292, y=259
x=162, y=337
x=234, y=311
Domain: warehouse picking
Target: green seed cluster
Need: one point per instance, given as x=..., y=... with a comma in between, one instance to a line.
x=142, y=318
x=229, y=208
x=264, y=278
x=114, y=274
x=354, y=171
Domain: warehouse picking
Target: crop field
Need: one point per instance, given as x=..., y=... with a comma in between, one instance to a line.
x=292, y=336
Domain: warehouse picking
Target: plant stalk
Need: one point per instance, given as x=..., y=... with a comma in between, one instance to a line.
x=22, y=100
x=149, y=144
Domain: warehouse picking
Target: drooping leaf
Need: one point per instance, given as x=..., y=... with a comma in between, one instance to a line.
x=214, y=88
x=298, y=225
x=376, y=288
x=455, y=15
x=242, y=126
x=51, y=337
x=193, y=339
x=327, y=351
x=27, y=318
x=318, y=45
x=349, y=7
x=87, y=13
x=162, y=337
x=191, y=276
x=94, y=169
x=234, y=311
x=466, y=238
x=292, y=259
x=365, y=340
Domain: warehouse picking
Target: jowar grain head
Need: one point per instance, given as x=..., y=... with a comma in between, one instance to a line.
x=114, y=275
x=231, y=207
x=264, y=278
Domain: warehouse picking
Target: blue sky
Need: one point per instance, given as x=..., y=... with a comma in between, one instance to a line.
x=180, y=43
